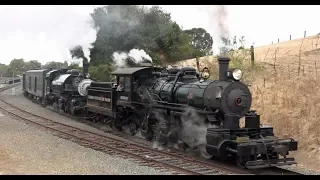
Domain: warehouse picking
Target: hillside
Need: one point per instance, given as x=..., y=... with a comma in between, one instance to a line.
x=284, y=55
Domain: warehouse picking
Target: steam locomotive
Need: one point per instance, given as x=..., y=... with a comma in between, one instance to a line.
x=156, y=101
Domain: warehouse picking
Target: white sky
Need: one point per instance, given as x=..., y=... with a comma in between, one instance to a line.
x=46, y=33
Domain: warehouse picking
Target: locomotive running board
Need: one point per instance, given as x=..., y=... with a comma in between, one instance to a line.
x=273, y=163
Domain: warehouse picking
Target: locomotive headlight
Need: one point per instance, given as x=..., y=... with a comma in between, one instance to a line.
x=237, y=74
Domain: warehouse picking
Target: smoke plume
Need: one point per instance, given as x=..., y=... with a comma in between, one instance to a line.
x=218, y=24
x=222, y=17
x=133, y=58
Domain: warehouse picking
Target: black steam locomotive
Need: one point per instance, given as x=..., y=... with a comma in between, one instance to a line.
x=157, y=102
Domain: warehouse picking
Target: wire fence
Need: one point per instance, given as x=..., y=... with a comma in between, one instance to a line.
x=298, y=57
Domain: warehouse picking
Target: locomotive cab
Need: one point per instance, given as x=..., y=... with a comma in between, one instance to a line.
x=127, y=81
x=123, y=89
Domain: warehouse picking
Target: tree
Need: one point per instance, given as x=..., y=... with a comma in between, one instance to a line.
x=122, y=28
x=101, y=72
x=17, y=66
x=201, y=41
x=3, y=70
x=242, y=42
x=65, y=64
x=74, y=66
x=32, y=64
x=231, y=44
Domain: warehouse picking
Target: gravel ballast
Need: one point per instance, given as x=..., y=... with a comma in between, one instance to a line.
x=25, y=149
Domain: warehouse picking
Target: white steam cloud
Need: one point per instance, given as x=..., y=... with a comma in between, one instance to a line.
x=193, y=132
x=137, y=55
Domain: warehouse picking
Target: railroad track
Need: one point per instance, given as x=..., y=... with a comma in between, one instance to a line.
x=172, y=161
x=266, y=171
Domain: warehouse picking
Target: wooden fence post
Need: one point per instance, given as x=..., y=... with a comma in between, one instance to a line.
x=252, y=55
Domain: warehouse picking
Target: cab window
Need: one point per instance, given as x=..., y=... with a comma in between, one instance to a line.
x=121, y=80
x=127, y=84
x=29, y=83
x=35, y=84
x=120, y=84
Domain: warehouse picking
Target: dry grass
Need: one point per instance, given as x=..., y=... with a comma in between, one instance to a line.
x=240, y=59
x=288, y=48
x=291, y=106
x=286, y=92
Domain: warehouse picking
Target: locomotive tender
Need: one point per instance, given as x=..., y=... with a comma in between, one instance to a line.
x=154, y=101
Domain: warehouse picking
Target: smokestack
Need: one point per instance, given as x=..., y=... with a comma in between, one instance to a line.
x=223, y=67
x=85, y=67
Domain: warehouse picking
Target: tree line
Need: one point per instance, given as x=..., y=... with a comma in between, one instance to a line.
x=18, y=66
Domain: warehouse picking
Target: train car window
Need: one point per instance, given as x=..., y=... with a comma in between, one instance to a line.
x=35, y=84
x=127, y=84
x=120, y=84
x=29, y=83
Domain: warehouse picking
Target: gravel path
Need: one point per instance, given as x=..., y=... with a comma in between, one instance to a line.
x=25, y=149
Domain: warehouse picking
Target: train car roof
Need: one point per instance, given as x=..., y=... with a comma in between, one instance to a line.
x=37, y=70
x=130, y=70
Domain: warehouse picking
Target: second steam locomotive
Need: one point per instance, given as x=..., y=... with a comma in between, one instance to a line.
x=156, y=101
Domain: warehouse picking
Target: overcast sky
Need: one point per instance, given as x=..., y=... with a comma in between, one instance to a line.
x=46, y=33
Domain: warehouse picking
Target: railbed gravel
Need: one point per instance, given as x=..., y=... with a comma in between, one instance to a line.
x=25, y=149
x=22, y=102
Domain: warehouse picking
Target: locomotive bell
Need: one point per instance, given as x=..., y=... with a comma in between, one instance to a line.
x=205, y=74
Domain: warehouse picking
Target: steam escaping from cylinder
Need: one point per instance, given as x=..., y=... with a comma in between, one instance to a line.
x=194, y=130
x=133, y=58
